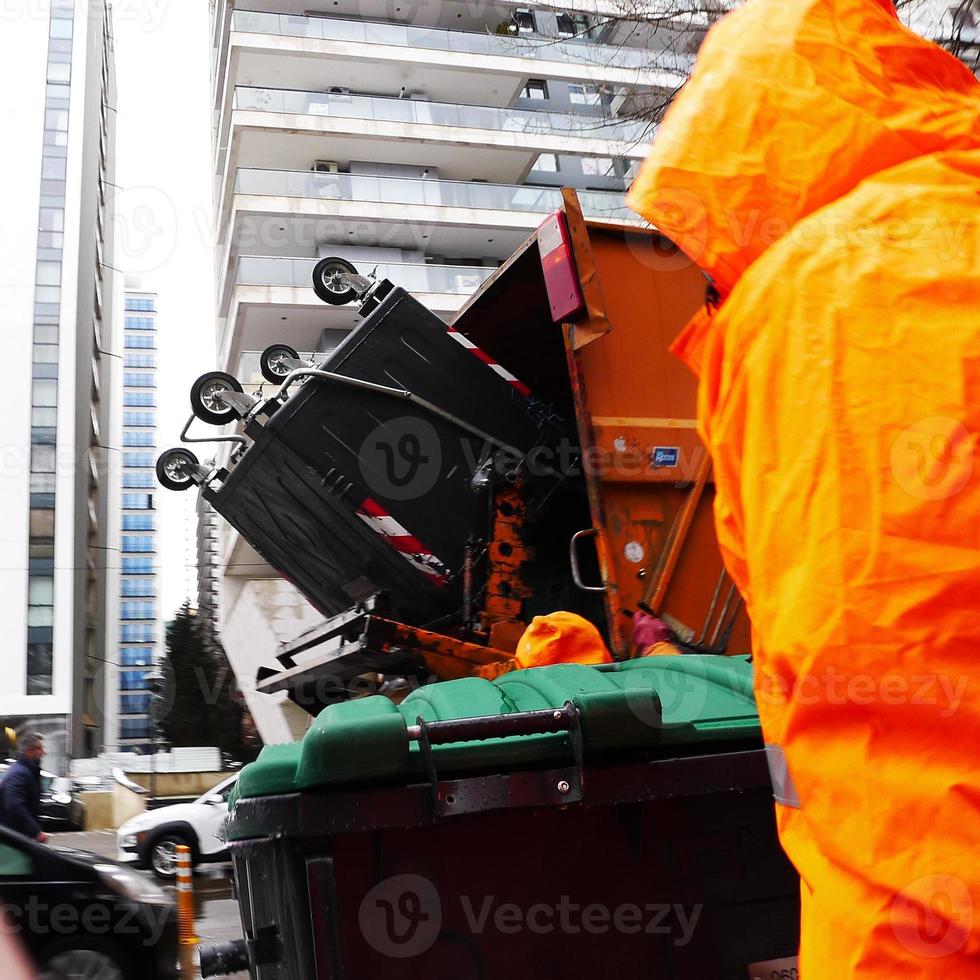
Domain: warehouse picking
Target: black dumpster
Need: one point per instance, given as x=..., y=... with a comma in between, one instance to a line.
x=336, y=464
x=575, y=821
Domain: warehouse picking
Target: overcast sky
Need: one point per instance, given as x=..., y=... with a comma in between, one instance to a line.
x=164, y=222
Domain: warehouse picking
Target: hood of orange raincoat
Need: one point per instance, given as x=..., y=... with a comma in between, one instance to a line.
x=739, y=160
x=561, y=638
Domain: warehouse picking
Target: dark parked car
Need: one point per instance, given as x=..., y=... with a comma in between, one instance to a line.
x=61, y=806
x=80, y=915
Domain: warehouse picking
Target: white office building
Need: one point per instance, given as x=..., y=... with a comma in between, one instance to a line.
x=57, y=294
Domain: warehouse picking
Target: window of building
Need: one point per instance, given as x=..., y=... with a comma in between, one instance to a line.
x=598, y=167
x=137, y=566
x=137, y=610
x=45, y=394
x=40, y=667
x=137, y=632
x=139, y=418
x=59, y=72
x=136, y=656
x=42, y=522
x=137, y=522
x=536, y=88
x=139, y=587
x=137, y=440
x=139, y=305
x=137, y=501
x=574, y=25
x=139, y=399
x=135, y=728
x=131, y=380
x=524, y=21
x=60, y=27
x=546, y=163
x=137, y=542
x=138, y=459
x=140, y=323
x=134, y=704
x=137, y=479
x=141, y=341
x=140, y=361
x=49, y=273
x=584, y=94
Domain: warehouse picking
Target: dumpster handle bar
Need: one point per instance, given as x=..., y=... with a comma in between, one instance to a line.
x=542, y=722
x=184, y=437
x=547, y=721
x=393, y=393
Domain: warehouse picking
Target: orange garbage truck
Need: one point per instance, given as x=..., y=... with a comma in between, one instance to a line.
x=822, y=166
x=432, y=490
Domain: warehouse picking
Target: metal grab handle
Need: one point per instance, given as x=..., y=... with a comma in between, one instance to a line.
x=399, y=393
x=573, y=558
x=541, y=722
x=184, y=437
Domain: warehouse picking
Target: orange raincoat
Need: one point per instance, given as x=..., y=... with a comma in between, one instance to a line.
x=823, y=166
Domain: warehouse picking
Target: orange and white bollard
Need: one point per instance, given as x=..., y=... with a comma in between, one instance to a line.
x=186, y=935
x=185, y=897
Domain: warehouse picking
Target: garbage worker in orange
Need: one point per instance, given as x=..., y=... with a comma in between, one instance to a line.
x=822, y=166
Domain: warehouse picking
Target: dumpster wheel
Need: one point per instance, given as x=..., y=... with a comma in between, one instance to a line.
x=270, y=363
x=173, y=468
x=328, y=281
x=206, y=401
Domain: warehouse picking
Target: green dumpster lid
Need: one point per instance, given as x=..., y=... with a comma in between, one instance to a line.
x=671, y=702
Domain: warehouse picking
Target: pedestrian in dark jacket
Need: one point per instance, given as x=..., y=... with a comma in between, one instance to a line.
x=20, y=791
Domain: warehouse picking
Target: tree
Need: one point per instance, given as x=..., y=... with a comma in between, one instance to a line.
x=200, y=705
x=668, y=33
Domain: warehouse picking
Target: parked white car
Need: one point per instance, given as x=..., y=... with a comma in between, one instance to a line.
x=150, y=839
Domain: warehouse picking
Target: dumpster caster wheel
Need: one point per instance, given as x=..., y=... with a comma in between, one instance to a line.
x=270, y=363
x=173, y=469
x=206, y=401
x=328, y=283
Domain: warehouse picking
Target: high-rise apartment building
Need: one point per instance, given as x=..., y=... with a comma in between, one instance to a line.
x=423, y=142
x=57, y=293
x=128, y=697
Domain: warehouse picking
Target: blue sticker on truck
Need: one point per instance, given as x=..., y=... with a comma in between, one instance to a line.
x=666, y=455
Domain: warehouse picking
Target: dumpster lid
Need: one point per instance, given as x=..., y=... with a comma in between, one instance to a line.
x=676, y=703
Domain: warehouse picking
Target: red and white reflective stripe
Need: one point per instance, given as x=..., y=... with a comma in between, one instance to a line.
x=407, y=545
x=492, y=364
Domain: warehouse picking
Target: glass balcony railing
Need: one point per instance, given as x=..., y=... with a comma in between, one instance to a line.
x=438, y=114
x=261, y=270
x=582, y=51
x=432, y=192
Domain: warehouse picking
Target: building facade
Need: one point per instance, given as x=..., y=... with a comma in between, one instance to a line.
x=58, y=293
x=138, y=634
x=207, y=567
x=424, y=142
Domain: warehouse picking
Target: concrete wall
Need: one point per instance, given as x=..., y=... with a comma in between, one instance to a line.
x=126, y=803
x=98, y=811
x=178, y=783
